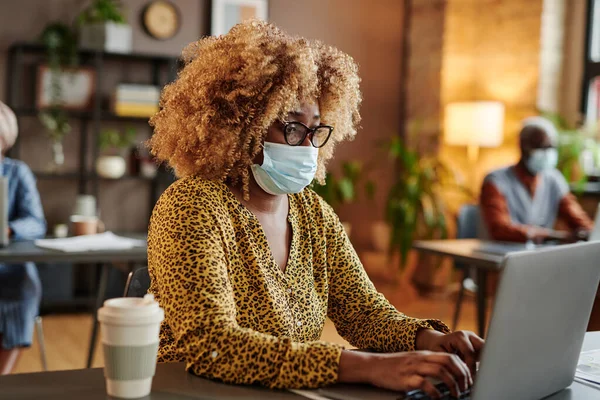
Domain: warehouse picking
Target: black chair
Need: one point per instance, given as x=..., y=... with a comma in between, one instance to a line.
x=467, y=228
x=138, y=283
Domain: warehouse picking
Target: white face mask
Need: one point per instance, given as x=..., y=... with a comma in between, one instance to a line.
x=541, y=160
x=286, y=169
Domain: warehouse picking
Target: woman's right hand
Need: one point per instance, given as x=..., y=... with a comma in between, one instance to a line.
x=406, y=371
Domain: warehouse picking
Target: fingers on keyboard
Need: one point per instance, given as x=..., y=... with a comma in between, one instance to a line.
x=443, y=389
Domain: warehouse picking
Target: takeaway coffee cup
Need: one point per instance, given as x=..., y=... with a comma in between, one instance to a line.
x=130, y=328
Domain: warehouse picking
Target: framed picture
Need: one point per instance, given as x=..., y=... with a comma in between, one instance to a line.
x=226, y=13
x=77, y=87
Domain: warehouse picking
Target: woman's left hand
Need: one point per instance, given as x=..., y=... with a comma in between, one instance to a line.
x=467, y=345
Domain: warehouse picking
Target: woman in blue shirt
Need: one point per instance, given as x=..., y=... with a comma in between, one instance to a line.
x=20, y=288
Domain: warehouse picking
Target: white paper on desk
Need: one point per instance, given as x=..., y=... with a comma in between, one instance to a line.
x=588, y=366
x=101, y=241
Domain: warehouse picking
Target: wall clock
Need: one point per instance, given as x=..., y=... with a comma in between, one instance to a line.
x=161, y=19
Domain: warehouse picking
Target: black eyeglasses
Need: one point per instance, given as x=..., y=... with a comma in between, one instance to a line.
x=295, y=133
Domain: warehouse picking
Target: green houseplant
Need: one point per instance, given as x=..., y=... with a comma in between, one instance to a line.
x=102, y=26
x=415, y=207
x=56, y=122
x=100, y=11
x=60, y=43
x=113, y=144
x=344, y=189
x=577, y=146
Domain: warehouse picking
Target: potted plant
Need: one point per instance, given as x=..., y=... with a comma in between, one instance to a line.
x=57, y=126
x=578, y=150
x=61, y=50
x=415, y=207
x=102, y=26
x=343, y=190
x=114, y=144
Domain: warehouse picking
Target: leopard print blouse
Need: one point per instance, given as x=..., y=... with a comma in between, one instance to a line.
x=232, y=314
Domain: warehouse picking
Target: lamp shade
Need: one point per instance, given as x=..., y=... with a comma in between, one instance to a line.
x=479, y=123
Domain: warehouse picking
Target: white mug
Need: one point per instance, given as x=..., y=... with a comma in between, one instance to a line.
x=85, y=205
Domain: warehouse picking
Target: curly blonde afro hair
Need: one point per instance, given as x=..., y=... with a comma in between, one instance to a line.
x=214, y=118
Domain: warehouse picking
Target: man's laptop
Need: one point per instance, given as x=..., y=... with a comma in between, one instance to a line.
x=503, y=248
x=539, y=320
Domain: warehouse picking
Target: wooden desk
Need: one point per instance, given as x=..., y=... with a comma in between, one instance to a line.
x=468, y=252
x=464, y=250
x=171, y=382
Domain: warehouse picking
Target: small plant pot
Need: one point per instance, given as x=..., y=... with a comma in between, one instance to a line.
x=108, y=36
x=111, y=167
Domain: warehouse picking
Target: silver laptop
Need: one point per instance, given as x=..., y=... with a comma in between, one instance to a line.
x=540, y=316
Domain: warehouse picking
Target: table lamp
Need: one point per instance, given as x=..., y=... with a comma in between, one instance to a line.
x=474, y=124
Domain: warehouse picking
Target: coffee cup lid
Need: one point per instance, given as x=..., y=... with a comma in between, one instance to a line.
x=131, y=311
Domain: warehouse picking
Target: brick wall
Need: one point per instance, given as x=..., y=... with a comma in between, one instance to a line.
x=423, y=79
x=492, y=52
x=562, y=42
x=552, y=53
x=574, y=43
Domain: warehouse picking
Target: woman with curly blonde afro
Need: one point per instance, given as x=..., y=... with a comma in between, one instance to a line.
x=248, y=262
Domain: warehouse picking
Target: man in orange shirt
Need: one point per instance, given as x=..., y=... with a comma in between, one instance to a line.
x=522, y=202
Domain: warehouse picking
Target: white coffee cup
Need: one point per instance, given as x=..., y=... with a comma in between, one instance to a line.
x=130, y=329
x=85, y=205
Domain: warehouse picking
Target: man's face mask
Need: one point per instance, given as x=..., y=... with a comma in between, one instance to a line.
x=542, y=159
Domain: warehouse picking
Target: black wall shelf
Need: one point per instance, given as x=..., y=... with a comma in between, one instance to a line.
x=20, y=78
x=56, y=175
x=22, y=55
x=86, y=115
x=75, y=175
x=28, y=47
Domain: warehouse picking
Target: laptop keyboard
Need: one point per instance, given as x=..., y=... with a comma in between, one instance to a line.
x=442, y=387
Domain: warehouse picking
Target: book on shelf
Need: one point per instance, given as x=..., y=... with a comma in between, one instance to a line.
x=134, y=100
x=592, y=114
x=135, y=109
x=128, y=91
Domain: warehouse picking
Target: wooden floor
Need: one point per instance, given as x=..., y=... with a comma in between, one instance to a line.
x=67, y=336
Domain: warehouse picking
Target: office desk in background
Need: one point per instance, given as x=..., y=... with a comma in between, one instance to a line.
x=485, y=256
x=24, y=251
x=468, y=251
x=171, y=382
